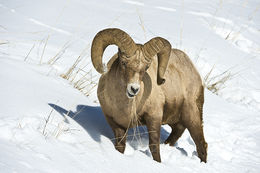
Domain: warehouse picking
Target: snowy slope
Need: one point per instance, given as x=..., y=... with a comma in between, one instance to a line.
x=76, y=137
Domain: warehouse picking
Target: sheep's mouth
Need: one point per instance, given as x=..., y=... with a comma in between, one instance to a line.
x=129, y=95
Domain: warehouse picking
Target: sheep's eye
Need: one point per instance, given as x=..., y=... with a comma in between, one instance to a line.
x=123, y=63
x=146, y=67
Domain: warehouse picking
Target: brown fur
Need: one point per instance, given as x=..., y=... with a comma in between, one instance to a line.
x=178, y=102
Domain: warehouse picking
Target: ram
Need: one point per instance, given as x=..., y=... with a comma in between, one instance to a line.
x=152, y=85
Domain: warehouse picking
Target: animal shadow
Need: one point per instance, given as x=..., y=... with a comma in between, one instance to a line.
x=92, y=119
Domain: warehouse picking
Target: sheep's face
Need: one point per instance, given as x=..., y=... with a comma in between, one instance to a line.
x=133, y=69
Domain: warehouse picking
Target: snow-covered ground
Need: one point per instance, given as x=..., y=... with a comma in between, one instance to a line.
x=220, y=34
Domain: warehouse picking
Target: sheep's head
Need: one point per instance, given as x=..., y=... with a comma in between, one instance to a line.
x=134, y=59
x=133, y=69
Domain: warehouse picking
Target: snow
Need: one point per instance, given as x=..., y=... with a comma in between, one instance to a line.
x=76, y=137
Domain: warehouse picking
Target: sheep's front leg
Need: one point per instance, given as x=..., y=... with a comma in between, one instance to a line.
x=120, y=135
x=154, y=127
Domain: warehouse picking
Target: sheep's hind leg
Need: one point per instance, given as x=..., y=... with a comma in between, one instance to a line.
x=177, y=131
x=120, y=134
x=194, y=124
x=201, y=145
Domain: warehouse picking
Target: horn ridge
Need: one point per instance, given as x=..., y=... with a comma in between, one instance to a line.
x=108, y=37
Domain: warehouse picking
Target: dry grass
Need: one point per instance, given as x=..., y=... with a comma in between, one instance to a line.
x=53, y=127
x=29, y=52
x=80, y=74
x=235, y=32
x=45, y=44
x=216, y=83
x=141, y=23
x=59, y=54
x=61, y=128
x=47, y=121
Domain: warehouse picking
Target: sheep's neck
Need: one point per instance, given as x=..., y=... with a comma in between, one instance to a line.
x=127, y=106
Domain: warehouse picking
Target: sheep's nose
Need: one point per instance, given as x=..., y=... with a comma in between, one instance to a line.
x=134, y=89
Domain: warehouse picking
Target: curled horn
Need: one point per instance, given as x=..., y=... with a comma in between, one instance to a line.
x=108, y=37
x=162, y=48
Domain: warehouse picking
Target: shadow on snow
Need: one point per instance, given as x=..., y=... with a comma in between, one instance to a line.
x=91, y=118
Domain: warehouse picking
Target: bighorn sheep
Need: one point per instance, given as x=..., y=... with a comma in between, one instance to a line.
x=150, y=84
